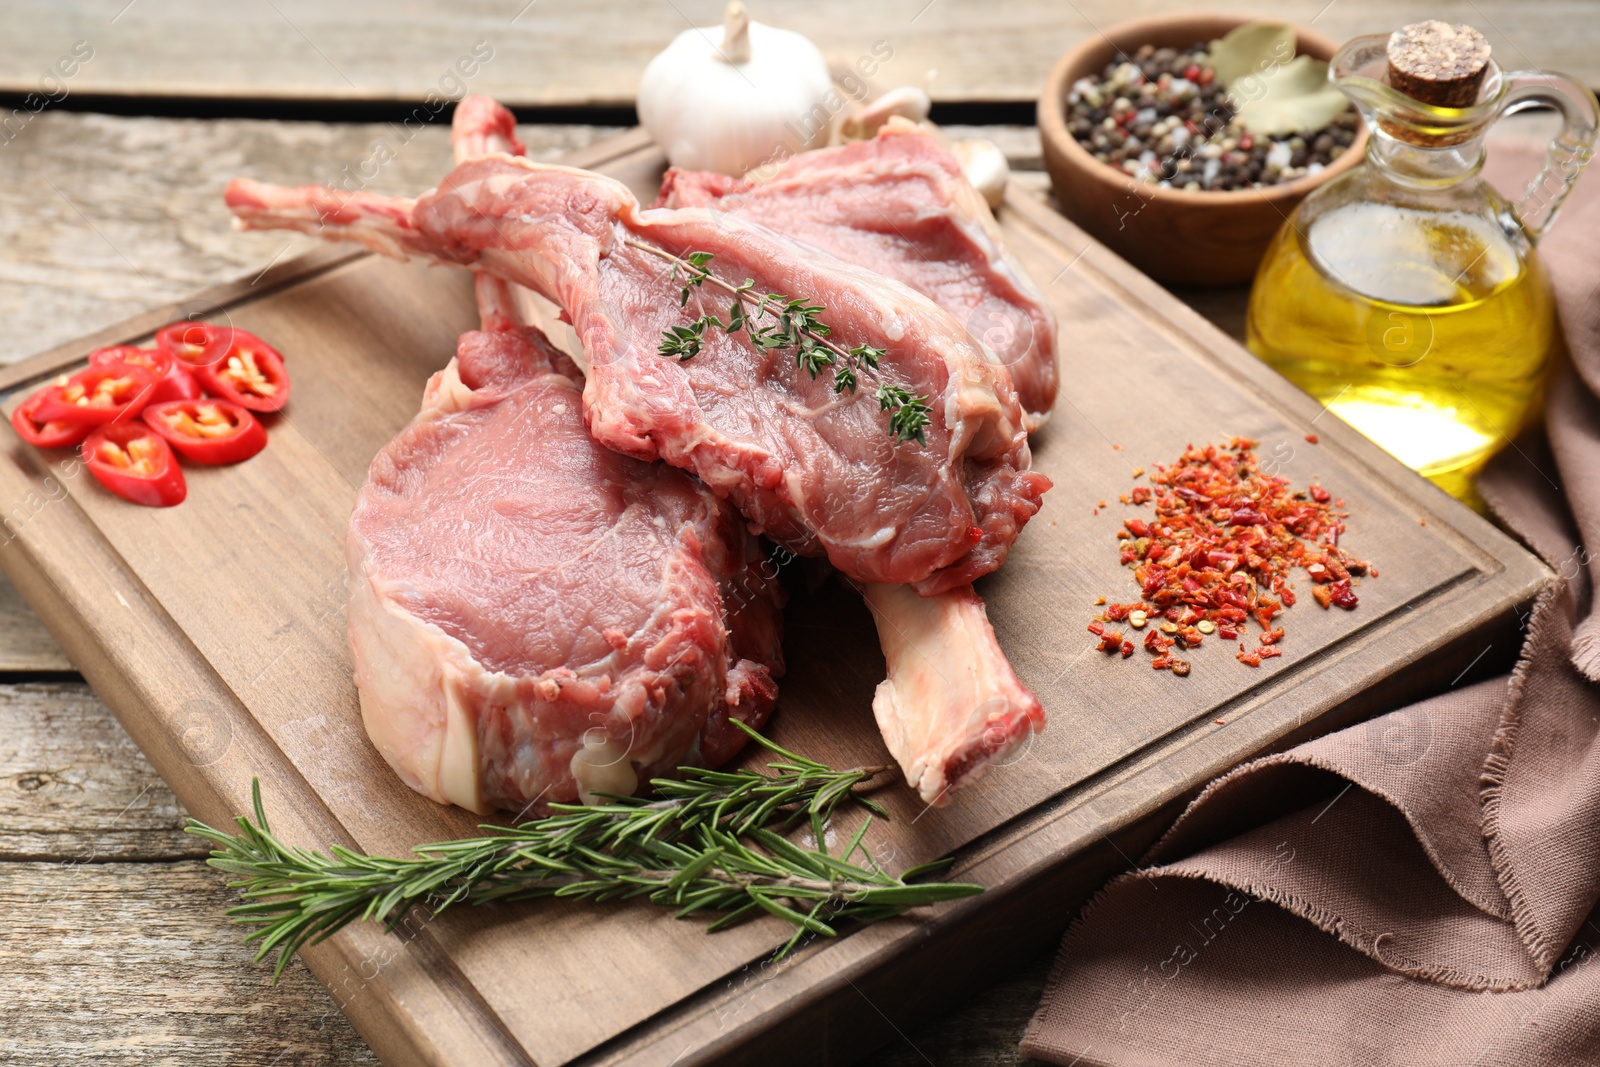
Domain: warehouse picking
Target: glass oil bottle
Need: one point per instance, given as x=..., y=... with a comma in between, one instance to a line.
x=1407, y=295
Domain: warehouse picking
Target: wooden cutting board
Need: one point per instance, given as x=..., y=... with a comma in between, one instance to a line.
x=215, y=631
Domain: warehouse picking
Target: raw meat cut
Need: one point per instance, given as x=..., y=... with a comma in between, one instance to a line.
x=534, y=617
x=951, y=704
x=899, y=204
x=819, y=473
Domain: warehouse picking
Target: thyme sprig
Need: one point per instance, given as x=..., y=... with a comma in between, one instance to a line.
x=711, y=840
x=777, y=322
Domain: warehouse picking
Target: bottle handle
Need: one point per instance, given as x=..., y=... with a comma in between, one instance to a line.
x=1568, y=152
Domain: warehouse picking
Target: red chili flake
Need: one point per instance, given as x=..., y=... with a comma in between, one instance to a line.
x=1221, y=548
x=1220, y=722
x=1342, y=595
x=1311, y=437
x=1111, y=641
x=1097, y=627
x=1099, y=600
x=1127, y=649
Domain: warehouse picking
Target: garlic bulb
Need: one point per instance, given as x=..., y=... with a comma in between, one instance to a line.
x=985, y=167
x=729, y=100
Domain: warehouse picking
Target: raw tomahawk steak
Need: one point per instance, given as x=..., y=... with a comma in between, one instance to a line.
x=899, y=204
x=535, y=617
x=817, y=472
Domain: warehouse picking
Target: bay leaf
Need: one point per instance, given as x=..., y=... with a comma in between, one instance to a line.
x=1254, y=48
x=1294, y=97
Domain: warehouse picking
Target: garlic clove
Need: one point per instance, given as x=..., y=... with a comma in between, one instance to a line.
x=985, y=167
x=907, y=102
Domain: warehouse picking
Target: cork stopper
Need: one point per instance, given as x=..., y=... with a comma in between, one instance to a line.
x=1437, y=63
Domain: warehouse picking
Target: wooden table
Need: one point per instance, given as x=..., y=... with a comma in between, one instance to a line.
x=113, y=947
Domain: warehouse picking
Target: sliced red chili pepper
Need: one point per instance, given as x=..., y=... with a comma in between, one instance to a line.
x=134, y=462
x=173, y=380
x=251, y=375
x=111, y=392
x=41, y=434
x=152, y=359
x=195, y=344
x=209, y=430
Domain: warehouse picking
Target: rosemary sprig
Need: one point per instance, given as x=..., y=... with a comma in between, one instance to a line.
x=791, y=324
x=710, y=840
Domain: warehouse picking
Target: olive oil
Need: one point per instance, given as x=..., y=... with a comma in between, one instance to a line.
x=1428, y=330
x=1405, y=294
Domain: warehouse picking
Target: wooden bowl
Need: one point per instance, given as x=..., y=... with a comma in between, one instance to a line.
x=1173, y=235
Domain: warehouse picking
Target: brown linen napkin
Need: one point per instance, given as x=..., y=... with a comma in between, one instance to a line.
x=1419, y=889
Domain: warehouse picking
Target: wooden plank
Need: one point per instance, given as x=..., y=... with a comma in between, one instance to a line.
x=105, y=218
x=592, y=53
x=76, y=788
x=166, y=986
x=25, y=646
x=240, y=604
x=985, y=1032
